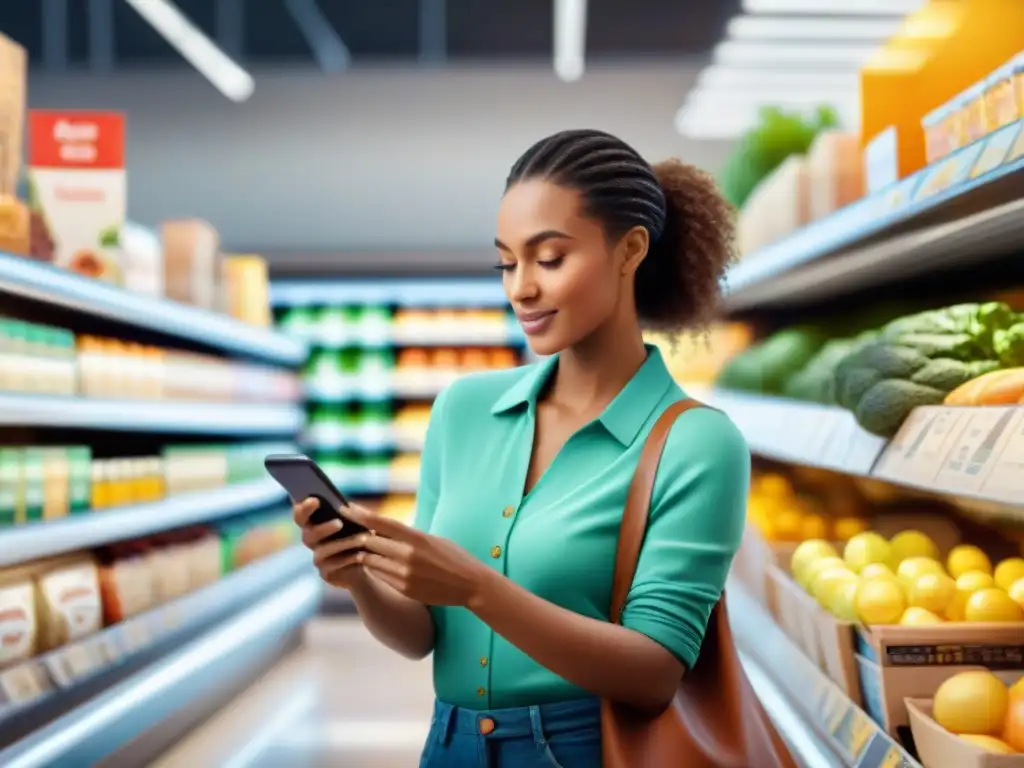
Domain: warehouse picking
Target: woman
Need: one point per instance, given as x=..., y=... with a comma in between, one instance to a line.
x=506, y=574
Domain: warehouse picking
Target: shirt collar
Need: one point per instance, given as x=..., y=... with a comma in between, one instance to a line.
x=623, y=417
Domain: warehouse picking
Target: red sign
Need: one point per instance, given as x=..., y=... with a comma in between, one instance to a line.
x=87, y=140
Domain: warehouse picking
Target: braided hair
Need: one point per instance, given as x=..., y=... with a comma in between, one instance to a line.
x=690, y=225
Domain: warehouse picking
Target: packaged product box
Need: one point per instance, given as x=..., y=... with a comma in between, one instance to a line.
x=192, y=272
x=1003, y=98
x=68, y=595
x=13, y=63
x=246, y=284
x=15, y=226
x=143, y=260
x=943, y=131
x=938, y=748
x=18, y=623
x=10, y=486
x=836, y=174
x=79, y=478
x=77, y=186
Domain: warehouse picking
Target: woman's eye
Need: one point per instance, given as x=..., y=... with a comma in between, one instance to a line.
x=552, y=262
x=504, y=267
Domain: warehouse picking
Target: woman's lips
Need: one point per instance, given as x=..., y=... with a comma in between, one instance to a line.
x=536, y=322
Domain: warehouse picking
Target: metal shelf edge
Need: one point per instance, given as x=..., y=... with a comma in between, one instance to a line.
x=143, y=700
x=43, y=282
x=32, y=541
x=184, y=417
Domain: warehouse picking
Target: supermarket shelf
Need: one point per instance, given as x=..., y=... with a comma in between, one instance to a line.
x=871, y=242
x=855, y=740
x=63, y=669
x=46, y=283
x=421, y=388
x=393, y=441
x=497, y=336
x=422, y=292
x=802, y=433
x=151, y=416
x=458, y=263
x=24, y=543
x=975, y=453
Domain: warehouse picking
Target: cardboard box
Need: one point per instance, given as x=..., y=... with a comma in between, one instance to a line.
x=192, y=268
x=896, y=663
x=78, y=188
x=938, y=748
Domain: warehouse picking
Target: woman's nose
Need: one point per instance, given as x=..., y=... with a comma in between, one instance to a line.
x=524, y=285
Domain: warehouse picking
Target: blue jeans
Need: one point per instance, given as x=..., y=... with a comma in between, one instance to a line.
x=561, y=735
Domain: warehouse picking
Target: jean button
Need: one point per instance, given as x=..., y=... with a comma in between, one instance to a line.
x=486, y=726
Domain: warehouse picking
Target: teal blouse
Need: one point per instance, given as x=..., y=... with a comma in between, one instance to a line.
x=559, y=540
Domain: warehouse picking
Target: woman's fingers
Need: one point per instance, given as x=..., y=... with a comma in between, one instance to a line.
x=312, y=535
x=330, y=549
x=302, y=511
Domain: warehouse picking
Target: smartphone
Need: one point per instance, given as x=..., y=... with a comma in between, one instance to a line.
x=300, y=476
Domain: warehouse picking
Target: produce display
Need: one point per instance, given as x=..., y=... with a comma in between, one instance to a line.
x=50, y=482
x=983, y=710
x=881, y=375
x=50, y=603
x=44, y=360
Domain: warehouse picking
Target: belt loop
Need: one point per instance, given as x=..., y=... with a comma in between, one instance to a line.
x=444, y=723
x=537, y=725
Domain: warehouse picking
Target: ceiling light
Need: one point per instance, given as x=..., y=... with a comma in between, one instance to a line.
x=812, y=28
x=570, y=38
x=196, y=48
x=738, y=77
x=736, y=53
x=836, y=7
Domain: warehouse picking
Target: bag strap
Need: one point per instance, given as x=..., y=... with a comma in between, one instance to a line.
x=638, y=504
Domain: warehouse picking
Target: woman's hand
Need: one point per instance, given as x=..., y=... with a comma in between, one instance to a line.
x=428, y=569
x=332, y=558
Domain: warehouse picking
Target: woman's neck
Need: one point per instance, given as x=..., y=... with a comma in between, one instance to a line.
x=590, y=374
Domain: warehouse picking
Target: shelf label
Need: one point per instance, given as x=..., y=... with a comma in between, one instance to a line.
x=993, y=656
x=881, y=752
x=135, y=635
x=997, y=148
x=949, y=172
x=1017, y=152
x=1005, y=480
x=985, y=431
x=920, y=447
x=23, y=683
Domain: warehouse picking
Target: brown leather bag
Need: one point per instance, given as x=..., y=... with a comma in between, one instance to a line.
x=715, y=719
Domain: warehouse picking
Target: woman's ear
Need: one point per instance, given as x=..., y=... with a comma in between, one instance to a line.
x=633, y=247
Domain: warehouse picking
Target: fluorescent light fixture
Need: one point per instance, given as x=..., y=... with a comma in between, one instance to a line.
x=196, y=48
x=836, y=7
x=821, y=28
x=570, y=38
x=740, y=77
x=737, y=53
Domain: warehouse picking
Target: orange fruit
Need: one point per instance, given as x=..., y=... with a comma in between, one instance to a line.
x=1013, y=727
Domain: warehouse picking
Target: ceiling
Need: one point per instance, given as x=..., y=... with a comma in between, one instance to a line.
x=372, y=30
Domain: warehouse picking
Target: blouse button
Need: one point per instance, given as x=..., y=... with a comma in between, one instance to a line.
x=483, y=661
x=508, y=511
x=495, y=552
x=481, y=691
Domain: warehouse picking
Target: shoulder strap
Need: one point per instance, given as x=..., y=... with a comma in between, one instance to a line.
x=638, y=504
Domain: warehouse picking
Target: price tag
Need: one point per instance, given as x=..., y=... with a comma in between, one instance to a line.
x=861, y=730
x=881, y=752
x=949, y=172
x=23, y=683
x=920, y=447
x=78, y=660
x=836, y=713
x=1005, y=480
x=997, y=148
x=1017, y=152
x=982, y=437
x=900, y=194
x=135, y=635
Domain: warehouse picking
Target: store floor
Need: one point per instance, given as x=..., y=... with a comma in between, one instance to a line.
x=341, y=700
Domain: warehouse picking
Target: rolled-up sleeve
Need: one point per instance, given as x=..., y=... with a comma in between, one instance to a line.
x=698, y=509
x=429, y=489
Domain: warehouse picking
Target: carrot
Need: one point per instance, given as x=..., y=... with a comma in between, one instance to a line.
x=1004, y=387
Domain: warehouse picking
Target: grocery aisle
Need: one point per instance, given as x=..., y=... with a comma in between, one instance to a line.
x=340, y=700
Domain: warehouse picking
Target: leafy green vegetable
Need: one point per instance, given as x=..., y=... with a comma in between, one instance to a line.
x=766, y=367
x=110, y=237
x=1008, y=344
x=882, y=409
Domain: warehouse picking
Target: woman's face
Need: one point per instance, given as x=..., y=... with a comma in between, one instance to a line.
x=561, y=276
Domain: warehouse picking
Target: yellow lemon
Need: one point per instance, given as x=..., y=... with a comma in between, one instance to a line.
x=967, y=585
x=843, y=602
x=967, y=557
x=1008, y=572
x=880, y=602
x=918, y=617
x=845, y=528
x=813, y=526
x=913, y=568
x=826, y=581
x=877, y=571
x=866, y=548
x=912, y=544
x=932, y=591
x=992, y=604
x=971, y=702
x=809, y=551
x=1016, y=592
x=812, y=569
x=988, y=743
x=776, y=485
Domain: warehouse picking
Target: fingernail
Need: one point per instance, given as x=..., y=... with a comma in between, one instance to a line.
x=336, y=525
